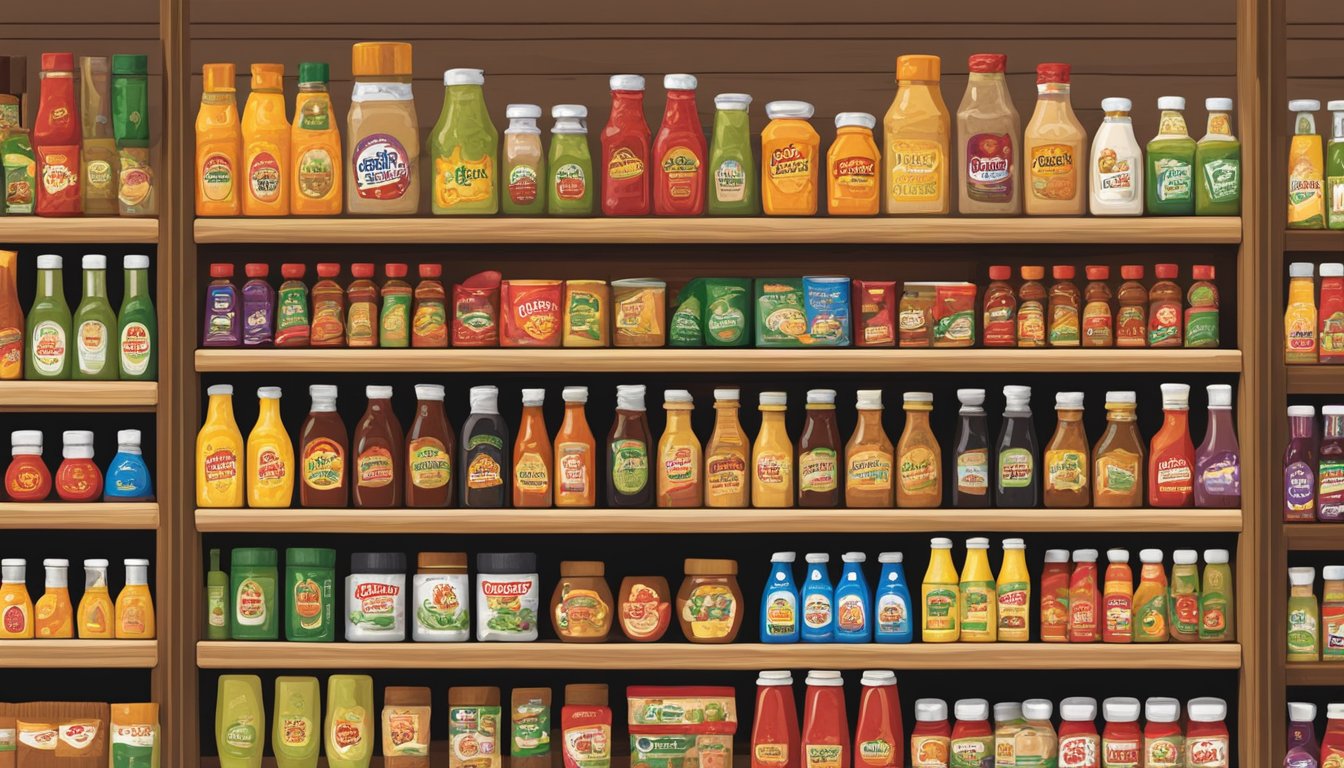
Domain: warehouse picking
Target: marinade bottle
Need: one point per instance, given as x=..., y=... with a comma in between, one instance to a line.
x=483, y=479
x=1018, y=483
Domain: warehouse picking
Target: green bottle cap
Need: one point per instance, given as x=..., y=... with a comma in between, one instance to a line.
x=314, y=72
x=310, y=557
x=252, y=557
x=130, y=64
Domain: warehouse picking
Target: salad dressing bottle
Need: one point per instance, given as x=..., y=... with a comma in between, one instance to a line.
x=726, y=455
x=95, y=618
x=1218, y=164
x=53, y=615
x=94, y=326
x=987, y=129
x=1053, y=149
x=818, y=453
x=50, y=355
x=219, y=144
x=464, y=148
x=570, y=166
x=1150, y=599
x=1306, y=168
x=772, y=456
x=524, y=163
x=574, y=453
x=324, y=446
x=1169, y=177
x=733, y=190
x=917, y=131
x=1117, y=163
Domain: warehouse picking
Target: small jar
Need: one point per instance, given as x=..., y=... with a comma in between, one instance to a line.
x=78, y=478
x=645, y=608
x=253, y=574
x=128, y=477
x=310, y=580
x=27, y=478
x=375, y=598
x=581, y=605
x=709, y=604
x=508, y=596
x=442, y=598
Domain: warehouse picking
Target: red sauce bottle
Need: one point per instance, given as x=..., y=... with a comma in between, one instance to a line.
x=825, y=724
x=1131, y=314
x=1206, y=738
x=625, y=150
x=972, y=736
x=1163, y=742
x=1000, y=309
x=1079, y=742
x=879, y=737
x=1121, y=742
x=27, y=478
x=429, y=451
x=78, y=478
x=930, y=741
x=775, y=736
x=379, y=461
x=56, y=139
x=679, y=153
x=1164, y=308
x=1171, y=457
x=1084, y=598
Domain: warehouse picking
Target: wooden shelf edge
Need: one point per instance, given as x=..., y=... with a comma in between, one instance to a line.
x=1313, y=537
x=554, y=655
x=655, y=521
x=1315, y=379
x=1314, y=673
x=44, y=231
x=91, y=517
x=79, y=395
x=1313, y=241
x=79, y=654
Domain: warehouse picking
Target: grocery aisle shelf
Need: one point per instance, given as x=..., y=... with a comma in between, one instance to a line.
x=93, y=516
x=79, y=395
x=538, y=521
x=79, y=654
x=47, y=231
x=682, y=360
x=1313, y=240
x=760, y=229
x=1322, y=673
x=1315, y=379
x=681, y=655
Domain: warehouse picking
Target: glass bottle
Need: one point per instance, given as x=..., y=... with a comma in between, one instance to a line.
x=532, y=457
x=1131, y=314
x=1031, y=303
x=818, y=453
x=316, y=143
x=1300, y=317
x=869, y=456
x=972, y=457
x=1066, y=462
x=429, y=316
x=575, y=452
x=625, y=150
x=93, y=325
x=431, y=476
x=324, y=447
x=1169, y=177
x=483, y=479
x=1164, y=309
x=1218, y=458
x=1000, y=315
x=570, y=166
x=464, y=149
x=733, y=189
x=378, y=451
x=1054, y=149
x=328, y=308
x=1334, y=168
x=1171, y=457
x=49, y=353
x=1065, y=307
x=1117, y=458
x=726, y=455
x=293, y=324
x=628, y=451
x=1218, y=163
x=394, y=321
x=919, y=457
x=258, y=306
x=361, y=298
x=1098, y=308
x=1330, y=472
x=1201, y=310
x=524, y=175
x=1299, y=465
x=1018, y=478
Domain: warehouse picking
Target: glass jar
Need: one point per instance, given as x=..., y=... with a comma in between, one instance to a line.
x=581, y=606
x=709, y=603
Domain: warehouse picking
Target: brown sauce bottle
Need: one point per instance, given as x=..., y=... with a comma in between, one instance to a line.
x=819, y=453
x=628, y=481
x=1066, y=479
x=379, y=462
x=971, y=463
x=485, y=475
x=324, y=444
x=429, y=451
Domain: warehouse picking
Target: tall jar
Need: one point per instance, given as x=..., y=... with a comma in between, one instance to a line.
x=709, y=603
x=382, y=132
x=987, y=131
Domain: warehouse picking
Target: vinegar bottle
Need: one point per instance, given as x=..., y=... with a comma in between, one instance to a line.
x=574, y=452
x=825, y=733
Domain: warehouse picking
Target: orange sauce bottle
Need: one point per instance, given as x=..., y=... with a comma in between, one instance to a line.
x=135, y=604
x=1066, y=463
x=1065, y=307
x=532, y=457
x=1084, y=598
x=680, y=460
x=1131, y=314
x=1171, y=457
x=328, y=308
x=852, y=167
x=726, y=455
x=361, y=327
x=574, y=453
x=1031, y=329
x=1117, y=599
x=919, y=481
x=869, y=456
x=772, y=456
x=54, y=614
x=219, y=145
x=1098, y=309
x=267, y=163
x=789, y=159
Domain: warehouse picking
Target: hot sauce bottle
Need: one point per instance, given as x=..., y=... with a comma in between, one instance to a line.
x=574, y=451
x=819, y=453
x=323, y=443
x=1066, y=465
x=879, y=736
x=679, y=153
x=1164, y=308
x=1065, y=307
x=625, y=150
x=1000, y=309
x=930, y=741
x=484, y=481
x=1055, y=597
x=1171, y=457
x=972, y=737
x=532, y=455
x=78, y=478
x=429, y=451
x=825, y=732
x=362, y=299
x=1098, y=309
x=1079, y=742
x=27, y=478
x=1031, y=329
x=56, y=139
x=1131, y=315
x=378, y=459
x=1084, y=598
x=328, y=308
x=429, y=320
x=628, y=451
x=1118, y=598
x=1121, y=741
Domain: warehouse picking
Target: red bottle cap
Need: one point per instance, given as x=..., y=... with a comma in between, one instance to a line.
x=328, y=270
x=1202, y=271
x=257, y=270
x=1098, y=272
x=1000, y=273
x=431, y=270
x=1063, y=272
x=295, y=271
x=221, y=270
x=58, y=62
x=394, y=270
x=1166, y=271
x=1052, y=73
x=988, y=62
x=362, y=270
x=1132, y=271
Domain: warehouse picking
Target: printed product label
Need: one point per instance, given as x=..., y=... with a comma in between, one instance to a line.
x=461, y=180
x=241, y=734
x=989, y=168
x=570, y=182
x=14, y=620
x=135, y=349
x=781, y=614
x=978, y=599
x=915, y=168
x=770, y=754
x=822, y=755
x=375, y=468
x=850, y=615
x=1213, y=752
x=680, y=467
x=789, y=168
x=1078, y=752
x=250, y=603
x=1222, y=178
x=1331, y=477
x=893, y=614
x=1118, y=473
x=1222, y=475
x=1118, y=613
x=630, y=466
x=323, y=464
x=484, y=472
x=730, y=182
x=726, y=475
x=973, y=472
x=1015, y=468
x=221, y=466
x=587, y=746
x=11, y=353
x=681, y=168
x=1174, y=476
x=92, y=352
x=773, y=469
x=531, y=475
x=1115, y=176
x=974, y=752
x=818, y=470
x=1120, y=753
x=1131, y=323
x=522, y=183
x=856, y=176
x=308, y=603
x=1163, y=752
x=869, y=471
x=98, y=173
x=214, y=600
x=1066, y=470
x=817, y=611
x=381, y=167
x=264, y=177
x=1053, y=172
x=271, y=469
x=439, y=604
x=581, y=613
x=624, y=164
x=1174, y=180
x=316, y=173
x=1000, y=325
x=360, y=325
x=572, y=468
x=1031, y=324
x=1063, y=325
x=58, y=173
x=919, y=471
x=48, y=347
x=929, y=751
x=428, y=463
x=374, y=606
x=709, y=610
x=348, y=725
x=531, y=729
x=1014, y=608
x=1097, y=324
x=941, y=609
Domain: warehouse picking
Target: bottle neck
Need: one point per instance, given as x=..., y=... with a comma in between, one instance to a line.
x=1338, y=119
x=1053, y=91
x=95, y=283
x=1126, y=414
x=1172, y=124
x=1175, y=417
x=312, y=87
x=1302, y=426
x=50, y=284
x=219, y=99
x=220, y=408
x=269, y=409
x=1069, y=415
x=1219, y=124
x=1304, y=124
x=137, y=283
x=1334, y=427
x=526, y=125
x=680, y=108
x=627, y=104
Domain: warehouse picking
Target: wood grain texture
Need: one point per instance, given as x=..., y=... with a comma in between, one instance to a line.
x=1315, y=379
x=1319, y=673
x=79, y=654
x=89, y=517
x=79, y=395
x=1314, y=241
x=672, y=655
x=1317, y=537
x=32, y=229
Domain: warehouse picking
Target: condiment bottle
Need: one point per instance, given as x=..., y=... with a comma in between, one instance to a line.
x=1218, y=162
x=219, y=453
x=1164, y=308
x=240, y=720
x=1333, y=744
x=1334, y=171
x=135, y=604
x=585, y=720
x=920, y=482
x=726, y=455
x=972, y=737
x=375, y=598
x=348, y=732
x=1163, y=742
x=818, y=453
x=429, y=319
x=680, y=460
x=1183, y=599
x=270, y=455
x=11, y=314
x=1065, y=308
x=130, y=126
x=628, y=451
x=891, y=604
x=1117, y=598
x=779, y=603
x=1304, y=620
x=293, y=327
x=917, y=136
x=789, y=160
x=532, y=455
x=931, y=739
x=1000, y=313
x=869, y=455
x=383, y=132
x=1031, y=299
x=625, y=150
x=96, y=613
x=524, y=171
x=94, y=326
x=1084, y=598
x=1121, y=741
x=987, y=130
x=258, y=306
x=53, y=613
x=709, y=603
x=940, y=595
x=464, y=148
x=1066, y=463
x=394, y=322
x=266, y=144
x=732, y=183
x=1053, y=147
x=1007, y=722
x=1117, y=163
x=223, y=326
x=825, y=723
x=879, y=736
x=78, y=478
x=1215, y=598
x=483, y=478
x=679, y=152
x=16, y=607
x=379, y=462
x=971, y=455
x=128, y=477
x=1201, y=312
x=853, y=602
x=1207, y=742
x=1117, y=458
x=581, y=606
x=324, y=444
x=1037, y=740
x=1170, y=179
x=1332, y=612
x=1331, y=324
x=219, y=144
x=315, y=189
x=298, y=714
x=818, y=597
x=1150, y=599
x=1303, y=749
x=361, y=325
x=1017, y=478
x=1055, y=597
x=1171, y=457
x=1299, y=319
x=328, y=307
x=776, y=738
x=27, y=477
x=56, y=139
x=852, y=167
x=575, y=452
x=772, y=455
x=1099, y=309
x=1299, y=465
x=430, y=443
x=1218, y=458
x=979, y=595
x=1078, y=732
x=1131, y=314
x=570, y=166
x=310, y=580
x=138, y=328
x=1013, y=594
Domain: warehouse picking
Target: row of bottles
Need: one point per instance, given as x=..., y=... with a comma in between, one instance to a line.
x=1315, y=169
x=78, y=478
x=1313, y=466
x=54, y=615
x=1311, y=335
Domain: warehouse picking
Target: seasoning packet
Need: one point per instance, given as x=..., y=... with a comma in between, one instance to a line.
x=916, y=315
x=780, y=320
x=476, y=310
x=473, y=727
x=406, y=712
x=827, y=310
x=530, y=724
x=134, y=735
x=586, y=303
x=16, y=153
x=682, y=726
x=876, y=301
x=640, y=309
x=954, y=315
x=687, y=326
x=532, y=315
x=727, y=311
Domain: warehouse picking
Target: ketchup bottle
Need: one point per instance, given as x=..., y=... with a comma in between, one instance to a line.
x=1120, y=740
x=972, y=736
x=879, y=737
x=1206, y=737
x=825, y=724
x=27, y=478
x=78, y=478
x=679, y=153
x=625, y=150
x=1163, y=743
x=931, y=740
x=775, y=739
x=1079, y=743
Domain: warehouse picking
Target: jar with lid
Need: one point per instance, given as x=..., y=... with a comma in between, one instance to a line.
x=384, y=134
x=253, y=575
x=508, y=596
x=645, y=608
x=310, y=580
x=375, y=598
x=581, y=606
x=442, y=598
x=709, y=603
x=789, y=148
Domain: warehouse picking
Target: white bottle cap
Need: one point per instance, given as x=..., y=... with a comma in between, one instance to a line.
x=1056, y=555
x=1308, y=411
x=1006, y=711
x=533, y=397
x=877, y=678
x=1085, y=555
x=575, y=395
x=817, y=557
x=137, y=571
x=571, y=111
x=855, y=120
x=1121, y=709
x=626, y=82
x=422, y=392
x=940, y=543
x=1335, y=106
x=94, y=261
x=48, y=261
x=220, y=389
x=97, y=562
x=1171, y=102
x=12, y=570
x=824, y=677
x=1301, y=576
x=270, y=393
x=1121, y=397
x=1301, y=712
x=1220, y=395
x=1019, y=395
x=329, y=391
x=784, y=557
x=868, y=400
x=1037, y=709
x=1117, y=555
x=1332, y=268
x=56, y=569
x=732, y=102
x=890, y=557
x=971, y=709
x=1184, y=557
x=1334, y=711
x=1116, y=104
x=728, y=394
x=1304, y=105
x=1296, y=269
x=971, y=396
x=1332, y=410
x=853, y=557
x=798, y=110
x=630, y=397
x=680, y=82
x=1218, y=104
x=821, y=396
x=135, y=261
x=774, y=398
x=77, y=444
x=774, y=677
x=128, y=438
x=1332, y=572
x=1215, y=556
x=378, y=392
x=977, y=543
x=1068, y=401
x=522, y=111
x=1176, y=396
x=917, y=397
x=464, y=77
x=930, y=710
x=677, y=396
x=484, y=399
x=25, y=442
x=1150, y=555
x=1014, y=544
x=1206, y=709
x=1078, y=709
x=1160, y=709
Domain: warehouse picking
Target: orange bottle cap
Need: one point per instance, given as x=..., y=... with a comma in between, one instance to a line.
x=1033, y=273
x=385, y=59
x=269, y=77
x=219, y=78
x=918, y=67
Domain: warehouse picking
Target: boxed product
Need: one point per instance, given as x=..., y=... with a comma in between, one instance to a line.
x=682, y=726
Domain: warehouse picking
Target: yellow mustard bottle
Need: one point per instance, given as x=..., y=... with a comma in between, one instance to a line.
x=680, y=460
x=772, y=456
x=918, y=131
x=16, y=607
x=219, y=453
x=219, y=144
x=54, y=615
x=1306, y=168
x=790, y=149
x=726, y=455
x=315, y=184
x=940, y=595
x=979, y=595
x=135, y=605
x=266, y=142
x=96, y=616
x=270, y=455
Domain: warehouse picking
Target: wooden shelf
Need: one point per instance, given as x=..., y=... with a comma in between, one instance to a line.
x=681, y=360
x=34, y=229
x=79, y=395
x=1315, y=379
x=540, y=521
x=79, y=654
x=675, y=655
x=1319, y=537
x=1314, y=241
x=1314, y=673
x=764, y=230
x=96, y=516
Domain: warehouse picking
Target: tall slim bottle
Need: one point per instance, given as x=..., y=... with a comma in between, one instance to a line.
x=94, y=323
x=49, y=343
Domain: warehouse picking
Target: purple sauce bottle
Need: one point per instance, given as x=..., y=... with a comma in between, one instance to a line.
x=1330, y=473
x=1303, y=750
x=222, y=326
x=1299, y=465
x=1218, y=459
x=258, y=307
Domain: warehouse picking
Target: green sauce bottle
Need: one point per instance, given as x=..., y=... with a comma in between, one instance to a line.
x=95, y=357
x=464, y=148
x=1171, y=160
x=1334, y=169
x=570, y=166
x=49, y=324
x=733, y=187
x=137, y=325
x=1218, y=164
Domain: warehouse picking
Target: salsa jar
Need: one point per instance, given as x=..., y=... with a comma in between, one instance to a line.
x=442, y=598
x=644, y=608
x=507, y=596
x=709, y=603
x=581, y=606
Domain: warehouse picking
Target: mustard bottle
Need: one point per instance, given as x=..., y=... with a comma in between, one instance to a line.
x=918, y=131
x=772, y=456
x=267, y=164
x=16, y=607
x=1306, y=168
x=270, y=455
x=219, y=453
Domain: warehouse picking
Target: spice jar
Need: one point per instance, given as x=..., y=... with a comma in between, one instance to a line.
x=253, y=576
x=27, y=478
x=508, y=595
x=645, y=609
x=78, y=478
x=581, y=604
x=310, y=580
x=442, y=598
x=375, y=598
x=709, y=603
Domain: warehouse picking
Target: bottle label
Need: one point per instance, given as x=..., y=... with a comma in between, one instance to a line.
x=264, y=177
x=1185, y=613
x=929, y=751
x=375, y=468
x=1066, y=470
x=1097, y=324
x=323, y=464
x=919, y=471
x=1163, y=752
x=360, y=327
x=818, y=471
x=460, y=180
x=941, y=606
x=680, y=467
x=1016, y=466
x=1221, y=476
x=1053, y=172
x=429, y=325
x=1120, y=753
x=393, y=320
x=1174, y=476
x=135, y=349
x=914, y=170
x=817, y=611
x=316, y=173
x=972, y=752
x=572, y=468
x=296, y=731
x=774, y=470
x=1213, y=752
x=214, y=606
x=681, y=168
x=823, y=755
x=1131, y=323
x=1331, y=478
x=1031, y=324
x=92, y=353
x=1173, y=179
x=428, y=463
x=726, y=475
x=1001, y=325
x=11, y=353
x=250, y=603
x=484, y=472
x=221, y=466
x=781, y=614
x=869, y=471
x=989, y=167
x=1222, y=178
x=381, y=167
x=789, y=168
x=1014, y=607
x=973, y=472
x=1302, y=633
x=1299, y=489
x=48, y=347
x=770, y=754
x=1118, y=473
x=876, y=752
x=531, y=475
x=978, y=599
x=1115, y=176
x=571, y=183
x=216, y=177
x=629, y=466
x=1079, y=751
x=1063, y=325
x=730, y=182
x=893, y=614
x=271, y=468
x=850, y=614
x=1118, y=612
x=522, y=183
x=624, y=164
x=856, y=176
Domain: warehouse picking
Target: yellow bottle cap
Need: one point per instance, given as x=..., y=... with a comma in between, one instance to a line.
x=918, y=67
x=268, y=77
x=218, y=78
x=385, y=59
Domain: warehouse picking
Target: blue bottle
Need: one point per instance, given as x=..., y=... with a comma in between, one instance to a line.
x=893, y=624
x=127, y=477
x=818, y=601
x=853, y=602
x=779, y=604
